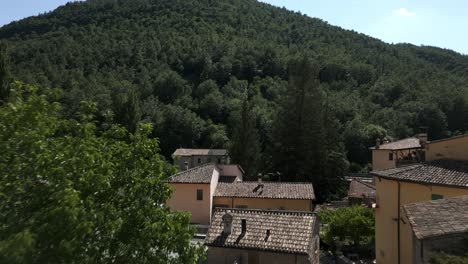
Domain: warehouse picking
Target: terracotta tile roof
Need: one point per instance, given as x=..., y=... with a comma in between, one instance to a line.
x=439, y=217
x=200, y=174
x=407, y=143
x=438, y=172
x=361, y=189
x=200, y=152
x=273, y=190
x=290, y=232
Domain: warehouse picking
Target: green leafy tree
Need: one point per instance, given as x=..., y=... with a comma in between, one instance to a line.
x=128, y=112
x=350, y=225
x=5, y=76
x=245, y=147
x=308, y=146
x=70, y=196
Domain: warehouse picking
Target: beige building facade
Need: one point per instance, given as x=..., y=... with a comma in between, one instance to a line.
x=230, y=255
x=196, y=196
x=451, y=148
x=398, y=153
x=443, y=175
x=201, y=189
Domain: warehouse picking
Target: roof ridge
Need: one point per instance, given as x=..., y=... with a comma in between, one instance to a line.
x=275, y=182
x=365, y=183
x=194, y=168
x=248, y=210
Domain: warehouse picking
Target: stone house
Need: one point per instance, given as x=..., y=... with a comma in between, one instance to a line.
x=186, y=159
x=438, y=226
x=263, y=237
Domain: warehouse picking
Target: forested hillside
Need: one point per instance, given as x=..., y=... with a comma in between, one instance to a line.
x=214, y=73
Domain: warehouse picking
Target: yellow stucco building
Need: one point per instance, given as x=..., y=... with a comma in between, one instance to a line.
x=443, y=175
x=201, y=189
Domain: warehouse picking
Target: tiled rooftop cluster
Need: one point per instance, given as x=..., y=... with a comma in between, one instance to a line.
x=200, y=174
x=439, y=217
x=289, y=232
x=273, y=190
x=407, y=143
x=439, y=172
x=359, y=189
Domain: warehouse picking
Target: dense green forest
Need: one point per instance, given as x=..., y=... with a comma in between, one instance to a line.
x=291, y=96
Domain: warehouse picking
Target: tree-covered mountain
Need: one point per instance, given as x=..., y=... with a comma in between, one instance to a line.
x=188, y=65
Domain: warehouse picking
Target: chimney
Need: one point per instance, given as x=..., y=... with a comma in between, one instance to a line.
x=267, y=235
x=422, y=138
x=186, y=165
x=227, y=222
x=244, y=226
x=377, y=143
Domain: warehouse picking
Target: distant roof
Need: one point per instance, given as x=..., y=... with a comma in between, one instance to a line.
x=199, y=152
x=439, y=217
x=290, y=232
x=407, y=143
x=437, y=172
x=200, y=174
x=361, y=189
x=445, y=139
x=273, y=190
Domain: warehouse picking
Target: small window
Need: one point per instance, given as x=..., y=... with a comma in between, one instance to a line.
x=200, y=195
x=199, y=160
x=390, y=156
x=436, y=196
x=209, y=159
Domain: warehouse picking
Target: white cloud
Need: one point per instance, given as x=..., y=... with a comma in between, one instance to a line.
x=404, y=12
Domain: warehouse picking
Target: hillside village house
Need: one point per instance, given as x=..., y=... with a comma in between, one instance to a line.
x=263, y=237
x=443, y=175
x=186, y=159
x=398, y=153
x=199, y=190
x=438, y=225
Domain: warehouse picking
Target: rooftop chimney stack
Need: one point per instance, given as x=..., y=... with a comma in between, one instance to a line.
x=422, y=136
x=186, y=165
x=267, y=235
x=227, y=222
x=244, y=226
x=377, y=143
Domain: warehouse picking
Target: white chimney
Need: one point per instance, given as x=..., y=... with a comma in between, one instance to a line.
x=186, y=165
x=227, y=222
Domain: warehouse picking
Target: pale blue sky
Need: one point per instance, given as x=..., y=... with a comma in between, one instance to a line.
x=428, y=22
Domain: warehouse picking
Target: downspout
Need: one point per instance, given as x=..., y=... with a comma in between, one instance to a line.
x=398, y=224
